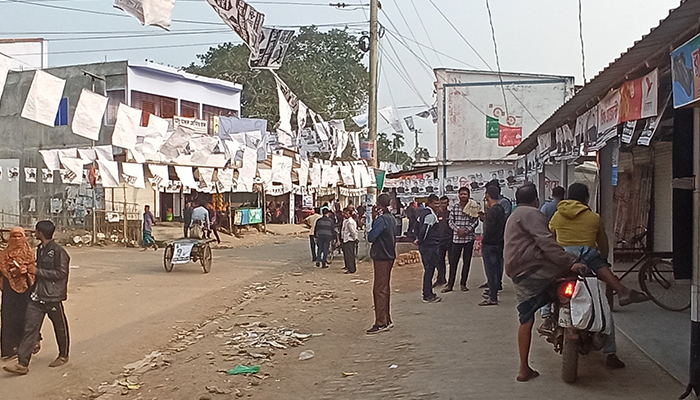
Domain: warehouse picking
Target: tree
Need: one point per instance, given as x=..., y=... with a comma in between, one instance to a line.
x=324, y=69
x=390, y=149
x=421, y=154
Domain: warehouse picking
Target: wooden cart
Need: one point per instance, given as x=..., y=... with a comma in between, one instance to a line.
x=182, y=251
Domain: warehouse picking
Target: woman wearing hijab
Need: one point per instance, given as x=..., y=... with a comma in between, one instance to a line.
x=15, y=281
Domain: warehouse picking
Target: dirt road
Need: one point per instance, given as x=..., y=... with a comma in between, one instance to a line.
x=266, y=304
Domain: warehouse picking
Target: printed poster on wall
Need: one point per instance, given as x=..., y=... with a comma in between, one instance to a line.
x=639, y=98
x=510, y=136
x=685, y=73
x=587, y=127
x=609, y=112
x=29, y=175
x=46, y=175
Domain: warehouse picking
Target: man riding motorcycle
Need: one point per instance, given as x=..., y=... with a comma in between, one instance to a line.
x=575, y=227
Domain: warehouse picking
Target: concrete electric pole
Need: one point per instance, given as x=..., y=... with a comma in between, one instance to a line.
x=373, y=77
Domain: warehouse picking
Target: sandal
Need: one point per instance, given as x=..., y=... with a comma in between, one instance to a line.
x=487, y=302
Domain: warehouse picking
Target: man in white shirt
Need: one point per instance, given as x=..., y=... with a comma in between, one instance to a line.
x=200, y=222
x=349, y=237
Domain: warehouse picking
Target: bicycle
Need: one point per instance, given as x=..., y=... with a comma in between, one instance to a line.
x=656, y=276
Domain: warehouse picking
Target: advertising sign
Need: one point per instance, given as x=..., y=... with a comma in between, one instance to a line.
x=685, y=73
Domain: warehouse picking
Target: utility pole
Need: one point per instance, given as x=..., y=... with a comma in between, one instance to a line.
x=373, y=77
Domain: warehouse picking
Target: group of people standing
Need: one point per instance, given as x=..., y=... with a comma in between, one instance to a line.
x=340, y=227
x=33, y=286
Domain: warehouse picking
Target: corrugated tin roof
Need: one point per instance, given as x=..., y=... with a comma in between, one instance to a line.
x=681, y=25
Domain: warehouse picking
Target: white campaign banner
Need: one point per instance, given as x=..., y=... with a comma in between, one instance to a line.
x=148, y=12
x=347, y=175
x=316, y=175
x=186, y=177
x=609, y=110
x=161, y=177
x=43, y=98
x=390, y=117
x=225, y=178
x=133, y=175
x=109, y=173
x=73, y=168
x=246, y=174
x=245, y=20
x=126, y=127
x=282, y=171
x=51, y=159
x=87, y=155
x=87, y=119
x=285, y=111
x=272, y=47
x=182, y=253
x=104, y=153
x=301, y=117
x=5, y=63
x=303, y=173
x=650, y=94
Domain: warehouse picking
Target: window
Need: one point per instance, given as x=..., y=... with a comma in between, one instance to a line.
x=189, y=109
x=62, y=113
x=114, y=98
x=209, y=112
x=159, y=106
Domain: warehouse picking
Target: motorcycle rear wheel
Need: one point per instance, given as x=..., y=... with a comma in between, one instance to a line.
x=569, y=360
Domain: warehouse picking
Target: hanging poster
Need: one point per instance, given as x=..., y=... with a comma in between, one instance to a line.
x=639, y=98
x=46, y=175
x=5, y=63
x=272, y=48
x=245, y=20
x=126, y=126
x=651, y=125
x=510, y=136
x=609, y=112
x=148, y=12
x=685, y=72
x=43, y=98
x=493, y=128
x=409, y=123
x=587, y=127
x=544, y=145
x=628, y=131
x=87, y=119
x=29, y=175
x=390, y=117
x=133, y=175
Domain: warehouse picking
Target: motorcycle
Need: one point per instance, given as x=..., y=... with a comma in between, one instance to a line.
x=568, y=340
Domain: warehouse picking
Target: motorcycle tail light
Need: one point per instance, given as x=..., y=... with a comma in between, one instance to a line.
x=567, y=290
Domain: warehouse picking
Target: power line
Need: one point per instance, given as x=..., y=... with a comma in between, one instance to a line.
x=426, y=31
x=404, y=77
x=126, y=49
x=432, y=48
x=409, y=28
x=498, y=63
x=428, y=70
x=407, y=74
x=145, y=35
x=580, y=34
x=410, y=50
x=460, y=34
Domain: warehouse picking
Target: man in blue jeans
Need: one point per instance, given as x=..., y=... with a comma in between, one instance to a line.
x=428, y=241
x=492, y=245
x=324, y=233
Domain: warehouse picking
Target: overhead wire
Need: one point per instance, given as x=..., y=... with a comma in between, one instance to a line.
x=432, y=48
x=409, y=28
x=498, y=62
x=580, y=34
x=426, y=31
x=461, y=35
x=428, y=70
x=127, y=48
x=401, y=74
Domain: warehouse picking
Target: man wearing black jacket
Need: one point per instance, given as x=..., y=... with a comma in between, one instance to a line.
x=324, y=231
x=428, y=242
x=492, y=245
x=47, y=296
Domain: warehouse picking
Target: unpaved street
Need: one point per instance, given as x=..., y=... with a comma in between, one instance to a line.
x=122, y=306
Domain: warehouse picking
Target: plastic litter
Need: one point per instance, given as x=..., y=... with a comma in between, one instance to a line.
x=306, y=355
x=393, y=366
x=243, y=369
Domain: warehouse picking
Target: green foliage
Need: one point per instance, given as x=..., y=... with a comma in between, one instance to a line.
x=324, y=69
x=422, y=154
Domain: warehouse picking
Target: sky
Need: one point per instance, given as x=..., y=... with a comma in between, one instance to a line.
x=535, y=36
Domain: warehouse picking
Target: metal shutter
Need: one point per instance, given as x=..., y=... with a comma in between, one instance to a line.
x=663, y=196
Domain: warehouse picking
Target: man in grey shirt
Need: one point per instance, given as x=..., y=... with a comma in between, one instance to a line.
x=200, y=221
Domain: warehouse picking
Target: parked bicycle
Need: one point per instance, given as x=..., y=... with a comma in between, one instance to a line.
x=656, y=276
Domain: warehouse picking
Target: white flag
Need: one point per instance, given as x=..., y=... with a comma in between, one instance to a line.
x=51, y=159
x=44, y=98
x=109, y=173
x=301, y=117
x=282, y=171
x=360, y=120
x=161, y=177
x=246, y=174
x=128, y=121
x=133, y=175
x=87, y=120
x=186, y=176
x=390, y=117
x=73, y=168
x=148, y=12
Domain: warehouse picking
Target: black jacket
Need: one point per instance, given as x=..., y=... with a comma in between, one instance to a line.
x=494, y=226
x=428, y=229
x=383, y=238
x=51, y=284
x=187, y=215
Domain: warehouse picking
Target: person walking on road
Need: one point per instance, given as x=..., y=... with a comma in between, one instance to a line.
x=349, y=237
x=428, y=242
x=47, y=297
x=148, y=221
x=492, y=246
x=187, y=218
x=383, y=253
x=213, y=222
x=324, y=232
x=16, y=260
x=445, y=232
x=310, y=223
x=463, y=226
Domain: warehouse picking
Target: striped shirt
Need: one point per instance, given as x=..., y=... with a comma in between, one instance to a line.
x=460, y=220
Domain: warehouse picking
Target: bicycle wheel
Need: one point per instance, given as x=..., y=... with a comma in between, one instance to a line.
x=657, y=281
x=168, y=257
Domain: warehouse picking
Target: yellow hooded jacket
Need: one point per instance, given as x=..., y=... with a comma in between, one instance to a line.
x=574, y=224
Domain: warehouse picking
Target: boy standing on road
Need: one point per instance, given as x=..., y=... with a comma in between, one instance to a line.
x=428, y=243
x=310, y=222
x=349, y=238
x=463, y=226
x=148, y=221
x=47, y=296
x=383, y=253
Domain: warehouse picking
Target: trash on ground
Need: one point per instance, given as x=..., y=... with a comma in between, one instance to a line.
x=347, y=374
x=243, y=369
x=306, y=355
x=359, y=281
x=393, y=366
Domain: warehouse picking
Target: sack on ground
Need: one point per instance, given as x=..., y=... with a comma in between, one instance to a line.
x=589, y=306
